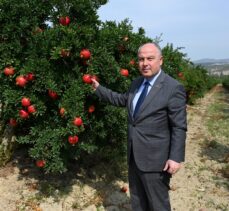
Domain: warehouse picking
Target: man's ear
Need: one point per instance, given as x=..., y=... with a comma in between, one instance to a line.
x=161, y=60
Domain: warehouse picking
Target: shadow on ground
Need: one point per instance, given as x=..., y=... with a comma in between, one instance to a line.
x=93, y=172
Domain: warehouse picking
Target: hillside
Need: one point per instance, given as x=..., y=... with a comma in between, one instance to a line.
x=211, y=61
x=215, y=66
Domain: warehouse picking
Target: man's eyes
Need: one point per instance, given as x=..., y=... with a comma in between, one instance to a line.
x=149, y=59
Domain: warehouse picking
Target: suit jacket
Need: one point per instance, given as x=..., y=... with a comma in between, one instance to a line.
x=158, y=131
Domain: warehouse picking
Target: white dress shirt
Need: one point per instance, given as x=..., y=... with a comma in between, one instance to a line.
x=151, y=81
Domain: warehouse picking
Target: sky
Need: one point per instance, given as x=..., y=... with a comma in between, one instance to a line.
x=200, y=27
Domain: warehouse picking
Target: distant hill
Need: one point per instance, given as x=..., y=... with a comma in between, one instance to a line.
x=211, y=61
x=215, y=66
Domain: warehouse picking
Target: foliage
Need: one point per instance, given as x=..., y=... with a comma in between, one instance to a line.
x=225, y=82
x=41, y=41
x=194, y=78
x=33, y=41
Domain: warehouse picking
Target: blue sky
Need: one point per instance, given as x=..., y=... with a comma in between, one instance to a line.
x=200, y=26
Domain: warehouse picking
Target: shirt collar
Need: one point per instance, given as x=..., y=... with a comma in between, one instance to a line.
x=152, y=79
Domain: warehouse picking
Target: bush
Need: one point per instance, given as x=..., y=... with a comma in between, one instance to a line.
x=47, y=50
x=194, y=78
x=225, y=82
x=41, y=60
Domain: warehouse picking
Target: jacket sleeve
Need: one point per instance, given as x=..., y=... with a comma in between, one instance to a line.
x=178, y=123
x=114, y=98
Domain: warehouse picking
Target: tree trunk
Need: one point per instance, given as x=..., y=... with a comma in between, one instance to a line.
x=7, y=142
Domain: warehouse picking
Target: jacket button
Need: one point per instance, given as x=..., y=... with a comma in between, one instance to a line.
x=134, y=125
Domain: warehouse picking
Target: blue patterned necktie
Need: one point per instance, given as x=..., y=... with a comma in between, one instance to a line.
x=141, y=98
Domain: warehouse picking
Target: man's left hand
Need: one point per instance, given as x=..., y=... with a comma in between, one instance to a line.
x=172, y=166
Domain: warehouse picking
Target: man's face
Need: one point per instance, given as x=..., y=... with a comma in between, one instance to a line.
x=149, y=60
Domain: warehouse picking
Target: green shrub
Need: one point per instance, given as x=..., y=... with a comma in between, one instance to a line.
x=225, y=82
x=45, y=51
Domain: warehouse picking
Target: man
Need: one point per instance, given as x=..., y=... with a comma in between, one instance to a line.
x=156, y=129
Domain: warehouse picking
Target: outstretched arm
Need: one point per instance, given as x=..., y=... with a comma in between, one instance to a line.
x=116, y=99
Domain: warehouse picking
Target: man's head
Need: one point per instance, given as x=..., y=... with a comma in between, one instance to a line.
x=149, y=59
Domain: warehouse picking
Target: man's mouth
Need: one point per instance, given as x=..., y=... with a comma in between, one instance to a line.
x=145, y=70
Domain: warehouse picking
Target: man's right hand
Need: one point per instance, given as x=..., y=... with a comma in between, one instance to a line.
x=95, y=84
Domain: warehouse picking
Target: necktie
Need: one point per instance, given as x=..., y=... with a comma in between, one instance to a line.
x=141, y=98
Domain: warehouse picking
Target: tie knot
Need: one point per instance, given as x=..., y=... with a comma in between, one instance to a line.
x=146, y=83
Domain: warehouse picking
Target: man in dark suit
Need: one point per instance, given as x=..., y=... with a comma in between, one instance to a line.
x=156, y=105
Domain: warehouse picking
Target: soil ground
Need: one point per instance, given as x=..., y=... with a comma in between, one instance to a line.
x=201, y=185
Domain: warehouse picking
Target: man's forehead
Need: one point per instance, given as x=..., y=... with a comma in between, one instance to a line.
x=147, y=53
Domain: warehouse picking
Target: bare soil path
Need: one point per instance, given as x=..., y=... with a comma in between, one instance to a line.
x=198, y=186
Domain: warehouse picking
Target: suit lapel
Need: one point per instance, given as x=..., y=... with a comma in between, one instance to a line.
x=133, y=92
x=154, y=90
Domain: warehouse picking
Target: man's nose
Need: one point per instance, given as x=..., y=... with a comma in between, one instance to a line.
x=145, y=62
